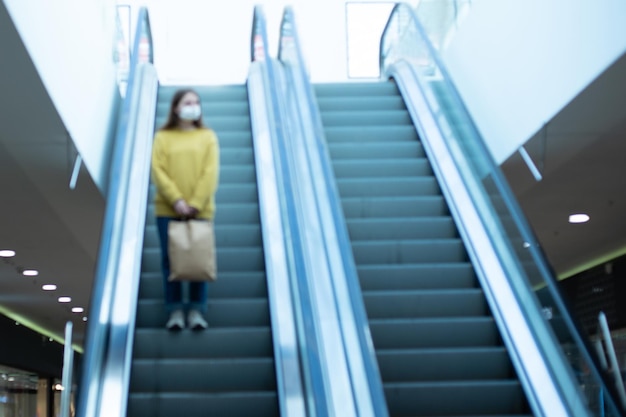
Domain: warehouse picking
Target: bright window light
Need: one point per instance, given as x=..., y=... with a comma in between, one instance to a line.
x=77, y=309
x=7, y=253
x=30, y=273
x=49, y=287
x=578, y=218
x=65, y=299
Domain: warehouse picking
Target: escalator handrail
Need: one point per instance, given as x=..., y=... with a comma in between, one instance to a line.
x=120, y=244
x=503, y=188
x=279, y=241
x=358, y=347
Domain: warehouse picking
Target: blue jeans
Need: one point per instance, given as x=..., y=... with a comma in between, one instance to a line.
x=174, y=290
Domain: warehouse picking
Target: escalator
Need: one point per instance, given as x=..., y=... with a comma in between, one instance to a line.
x=227, y=369
x=438, y=347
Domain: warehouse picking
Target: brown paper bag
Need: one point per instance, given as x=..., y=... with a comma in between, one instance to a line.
x=192, y=250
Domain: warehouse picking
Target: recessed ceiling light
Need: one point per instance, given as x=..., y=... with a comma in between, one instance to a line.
x=77, y=309
x=30, y=273
x=49, y=287
x=7, y=253
x=65, y=299
x=84, y=318
x=578, y=218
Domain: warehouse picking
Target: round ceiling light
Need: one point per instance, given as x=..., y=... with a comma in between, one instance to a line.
x=77, y=309
x=578, y=218
x=49, y=287
x=65, y=299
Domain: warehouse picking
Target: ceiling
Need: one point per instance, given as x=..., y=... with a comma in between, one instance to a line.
x=581, y=154
x=52, y=228
x=56, y=230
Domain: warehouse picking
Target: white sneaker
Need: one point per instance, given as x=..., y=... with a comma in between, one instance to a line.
x=176, y=321
x=195, y=321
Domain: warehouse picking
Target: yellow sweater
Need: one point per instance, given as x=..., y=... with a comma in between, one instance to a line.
x=185, y=164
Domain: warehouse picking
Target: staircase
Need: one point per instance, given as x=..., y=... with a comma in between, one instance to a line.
x=228, y=369
x=438, y=347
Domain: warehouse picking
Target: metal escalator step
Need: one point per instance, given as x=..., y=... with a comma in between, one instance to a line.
x=228, y=285
x=236, y=156
x=455, y=364
x=434, y=333
x=365, y=134
x=232, y=404
x=425, y=303
x=366, y=118
x=190, y=375
x=226, y=214
x=358, y=90
x=388, y=187
x=237, y=174
x=214, y=94
x=417, y=276
x=392, y=206
x=236, y=193
x=381, y=150
x=368, y=168
x=401, y=228
x=227, y=312
x=409, y=251
x=455, y=398
x=384, y=102
x=235, y=139
x=224, y=342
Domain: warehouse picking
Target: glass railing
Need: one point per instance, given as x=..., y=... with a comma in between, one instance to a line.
x=522, y=268
x=352, y=371
x=106, y=362
x=280, y=234
x=441, y=18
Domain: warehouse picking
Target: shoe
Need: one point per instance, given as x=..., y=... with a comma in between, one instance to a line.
x=176, y=321
x=195, y=321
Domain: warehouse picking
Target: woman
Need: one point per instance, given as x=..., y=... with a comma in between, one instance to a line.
x=185, y=170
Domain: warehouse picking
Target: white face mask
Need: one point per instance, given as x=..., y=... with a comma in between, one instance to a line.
x=190, y=113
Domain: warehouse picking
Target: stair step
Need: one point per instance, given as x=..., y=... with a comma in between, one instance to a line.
x=434, y=333
x=425, y=303
x=394, y=206
x=386, y=102
x=233, y=404
x=409, y=251
x=224, y=342
x=227, y=312
x=367, y=134
x=455, y=398
x=387, y=187
x=401, y=228
x=194, y=375
x=380, y=150
x=236, y=193
x=386, y=117
x=459, y=364
x=377, y=168
x=417, y=276
x=356, y=90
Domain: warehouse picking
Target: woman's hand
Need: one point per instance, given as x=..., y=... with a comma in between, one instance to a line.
x=182, y=208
